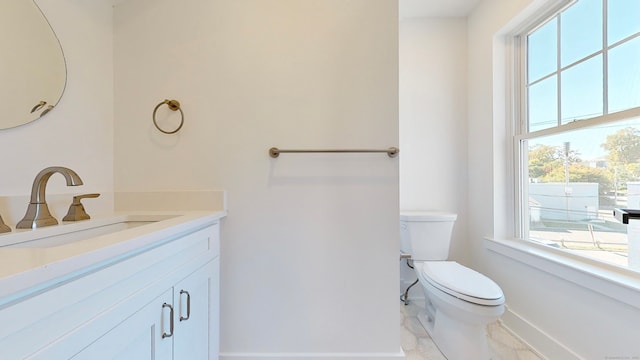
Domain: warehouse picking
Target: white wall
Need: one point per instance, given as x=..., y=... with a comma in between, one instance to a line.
x=433, y=99
x=310, y=246
x=78, y=133
x=433, y=120
x=231, y=65
x=554, y=308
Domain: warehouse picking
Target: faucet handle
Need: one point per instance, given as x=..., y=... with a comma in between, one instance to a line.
x=3, y=227
x=76, y=210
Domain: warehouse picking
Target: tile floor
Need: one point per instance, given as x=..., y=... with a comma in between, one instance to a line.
x=417, y=344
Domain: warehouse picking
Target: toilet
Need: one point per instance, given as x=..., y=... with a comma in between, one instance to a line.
x=459, y=302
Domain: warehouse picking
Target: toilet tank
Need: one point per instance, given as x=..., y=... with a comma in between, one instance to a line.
x=426, y=235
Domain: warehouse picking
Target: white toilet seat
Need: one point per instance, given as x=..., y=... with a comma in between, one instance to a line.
x=462, y=283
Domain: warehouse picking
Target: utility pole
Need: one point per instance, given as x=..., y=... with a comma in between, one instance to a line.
x=567, y=189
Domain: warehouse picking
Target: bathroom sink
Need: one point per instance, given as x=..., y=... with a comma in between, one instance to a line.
x=49, y=256
x=67, y=238
x=68, y=233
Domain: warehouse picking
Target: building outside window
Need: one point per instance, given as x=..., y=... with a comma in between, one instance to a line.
x=577, y=136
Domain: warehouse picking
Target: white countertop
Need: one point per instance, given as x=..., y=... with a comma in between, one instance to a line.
x=28, y=269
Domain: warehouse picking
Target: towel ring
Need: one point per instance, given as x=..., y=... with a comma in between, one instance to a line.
x=173, y=105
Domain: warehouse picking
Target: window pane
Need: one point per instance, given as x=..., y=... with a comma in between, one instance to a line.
x=542, y=51
x=623, y=19
x=576, y=179
x=582, y=90
x=543, y=104
x=581, y=30
x=624, y=76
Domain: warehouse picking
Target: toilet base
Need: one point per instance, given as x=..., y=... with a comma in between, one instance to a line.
x=456, y=340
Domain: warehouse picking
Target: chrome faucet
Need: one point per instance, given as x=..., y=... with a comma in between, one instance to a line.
x=38, y=214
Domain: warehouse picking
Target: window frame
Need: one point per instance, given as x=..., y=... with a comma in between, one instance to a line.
x=520, y=123
x=591, y=275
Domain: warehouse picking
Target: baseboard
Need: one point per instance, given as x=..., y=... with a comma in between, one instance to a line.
x=313, y=356
x=541, y=342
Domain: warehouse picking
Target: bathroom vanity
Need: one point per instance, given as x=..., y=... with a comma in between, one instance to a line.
x=130, y=286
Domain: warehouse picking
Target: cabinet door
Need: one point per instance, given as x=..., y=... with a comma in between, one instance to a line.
x=192, y=298
x=138, y=337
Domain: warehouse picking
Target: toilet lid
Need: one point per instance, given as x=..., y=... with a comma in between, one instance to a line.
x=463, y=283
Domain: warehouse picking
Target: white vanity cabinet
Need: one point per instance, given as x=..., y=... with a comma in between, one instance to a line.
x=175, y=325
x=195, y=306
x=137, y=337
x=160, y=302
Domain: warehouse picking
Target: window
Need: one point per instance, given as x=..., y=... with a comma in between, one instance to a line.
x=577, y=138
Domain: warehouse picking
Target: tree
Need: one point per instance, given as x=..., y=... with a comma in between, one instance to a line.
x=543, y=159
x=546, y=163
x=582, y=174
x=623, y=146
x=624, y=153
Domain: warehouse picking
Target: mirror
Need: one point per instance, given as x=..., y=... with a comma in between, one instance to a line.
x=33, y=73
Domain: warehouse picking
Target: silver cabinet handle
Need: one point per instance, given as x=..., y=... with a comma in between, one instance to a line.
x=170, y=334
x=188, y=305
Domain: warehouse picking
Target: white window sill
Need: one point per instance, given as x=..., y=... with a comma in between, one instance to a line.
x=615, y=282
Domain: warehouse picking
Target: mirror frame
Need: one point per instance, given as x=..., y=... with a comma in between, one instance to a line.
x=26, y=76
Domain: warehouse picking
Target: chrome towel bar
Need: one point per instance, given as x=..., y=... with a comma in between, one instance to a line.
x=392, y=152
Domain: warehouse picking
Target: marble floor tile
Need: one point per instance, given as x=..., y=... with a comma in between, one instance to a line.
x=417, y=344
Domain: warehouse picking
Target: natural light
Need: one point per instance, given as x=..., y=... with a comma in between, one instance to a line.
x=581, y=157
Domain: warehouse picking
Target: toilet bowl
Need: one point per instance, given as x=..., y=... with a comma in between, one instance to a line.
x=459, y=302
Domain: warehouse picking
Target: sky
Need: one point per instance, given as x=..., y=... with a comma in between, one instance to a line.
x=581, y=84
